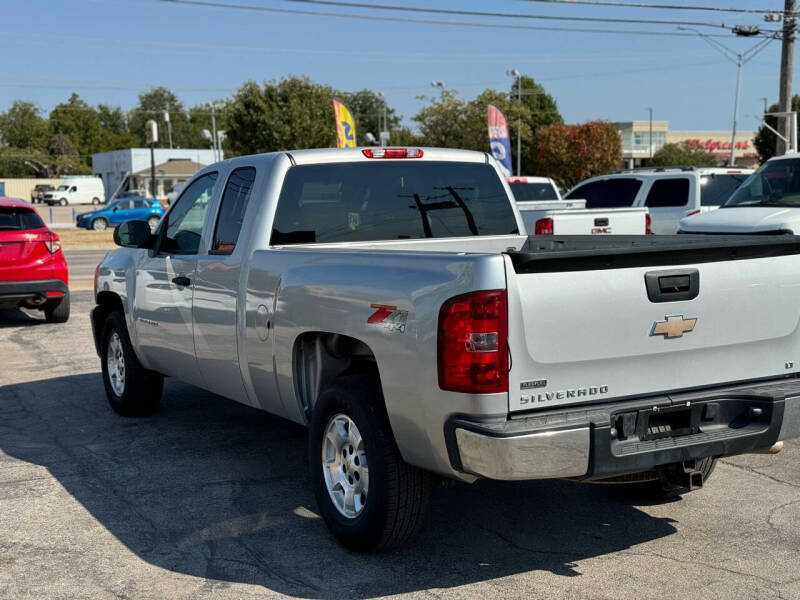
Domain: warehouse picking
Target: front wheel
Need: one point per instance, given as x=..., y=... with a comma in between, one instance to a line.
x=63, y=202
x=153, y=222
x=99, y=224
x=95, y=201
x=369, y=498
x=131, y=389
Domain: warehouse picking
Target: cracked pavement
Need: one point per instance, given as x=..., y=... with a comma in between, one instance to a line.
x=209, y=498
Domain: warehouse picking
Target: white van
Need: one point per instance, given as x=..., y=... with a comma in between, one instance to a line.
x=77, y=189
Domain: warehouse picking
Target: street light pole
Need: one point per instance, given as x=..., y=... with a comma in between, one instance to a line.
x=739, y=59
x=650, y=139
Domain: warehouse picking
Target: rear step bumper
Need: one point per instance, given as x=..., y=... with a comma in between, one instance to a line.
x=628, y=436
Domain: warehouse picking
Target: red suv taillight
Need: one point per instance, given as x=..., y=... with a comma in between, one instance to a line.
x=52, y=242
x=647, y=222
x=472, y=348
x=544, y=227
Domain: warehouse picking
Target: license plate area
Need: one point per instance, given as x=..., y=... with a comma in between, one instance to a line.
x=659, y=422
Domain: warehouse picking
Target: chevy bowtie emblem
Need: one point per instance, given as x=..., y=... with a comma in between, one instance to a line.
x=674, y=326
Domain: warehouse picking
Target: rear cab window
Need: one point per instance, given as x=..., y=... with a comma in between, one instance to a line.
x=668, y=192
x=19, y=218
x=532, y=192
x=619, y=192
x=391, y=200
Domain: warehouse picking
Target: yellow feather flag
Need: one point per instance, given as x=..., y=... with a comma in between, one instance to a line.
x=345, y=126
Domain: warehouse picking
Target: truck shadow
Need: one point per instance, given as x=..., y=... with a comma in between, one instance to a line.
x=17, y=317
x=214, y=489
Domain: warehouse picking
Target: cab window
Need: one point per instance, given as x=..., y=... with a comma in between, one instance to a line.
x=184, y=223
x=231, y=212
x=668, y=192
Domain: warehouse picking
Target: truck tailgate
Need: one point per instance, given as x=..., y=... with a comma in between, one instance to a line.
x=581, y=221
x=583, y=326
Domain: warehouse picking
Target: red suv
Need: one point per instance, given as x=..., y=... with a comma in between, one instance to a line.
x=33, y=271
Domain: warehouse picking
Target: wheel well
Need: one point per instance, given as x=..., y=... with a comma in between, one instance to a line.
x=320, y=358
x=107, y=302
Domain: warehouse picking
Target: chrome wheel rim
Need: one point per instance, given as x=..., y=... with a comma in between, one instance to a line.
x=344, y=465
x=99, y=225
x=115, y=361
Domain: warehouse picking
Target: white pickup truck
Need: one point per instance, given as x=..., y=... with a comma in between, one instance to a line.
x=544, y=212
x=669, y=193
x=390, y=300
x=767, y=203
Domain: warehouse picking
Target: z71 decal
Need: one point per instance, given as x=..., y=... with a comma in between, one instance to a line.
x=388, y=317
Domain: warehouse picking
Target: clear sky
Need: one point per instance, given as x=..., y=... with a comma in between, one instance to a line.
x=110, y=50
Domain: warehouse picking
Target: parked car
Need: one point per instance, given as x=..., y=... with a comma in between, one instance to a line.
x=389, y=299
x=545, y=213
x=669, y=193
x=77, y=189
x=768, y=202
x=145, y=209
x=33, y=270
x=38, y=192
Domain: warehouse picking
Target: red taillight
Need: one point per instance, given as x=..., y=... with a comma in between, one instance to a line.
x=52, y=243
x=694, y=212
x=472, y=352
x=544, y=227
x=392, y=152
x=647, y=222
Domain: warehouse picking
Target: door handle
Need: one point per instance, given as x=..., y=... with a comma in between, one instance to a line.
x=181, y=280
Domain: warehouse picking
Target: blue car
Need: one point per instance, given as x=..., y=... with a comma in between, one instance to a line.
x=127, y=209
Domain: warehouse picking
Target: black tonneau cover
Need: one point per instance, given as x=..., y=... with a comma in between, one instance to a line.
x=547, y=254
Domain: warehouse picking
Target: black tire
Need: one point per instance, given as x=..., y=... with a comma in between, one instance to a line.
x=63, y=202
x=95, y=201
x=142, y=388
x=57, y=310
x=99, y=224
x=153, y=222
x=398, y=494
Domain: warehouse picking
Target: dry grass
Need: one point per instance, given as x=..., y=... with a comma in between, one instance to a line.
x=78, y=238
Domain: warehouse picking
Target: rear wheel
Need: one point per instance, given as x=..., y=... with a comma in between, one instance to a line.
x=131, y=389
x=57, y=309
x=95, y=200
x=99, y=224
x=63, y=202
x=369, y=498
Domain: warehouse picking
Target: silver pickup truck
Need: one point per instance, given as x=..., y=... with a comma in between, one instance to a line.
x=390, y=300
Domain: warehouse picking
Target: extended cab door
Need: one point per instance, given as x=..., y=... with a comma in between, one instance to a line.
x=667, y=200
x=216, y=290
x=162, y=307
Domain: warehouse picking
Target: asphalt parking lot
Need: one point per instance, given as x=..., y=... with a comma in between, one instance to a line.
x=209, y=498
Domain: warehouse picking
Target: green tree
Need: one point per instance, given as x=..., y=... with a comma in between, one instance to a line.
x=441, y=121
x=683, y=153
x=542, y=110
x=571, y=153
x=281, y=115
x=367, y=108
x=766, y=141
x=21, y=126
x=152, y=105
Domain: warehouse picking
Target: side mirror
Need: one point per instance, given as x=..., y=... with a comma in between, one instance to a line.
x=133, y=234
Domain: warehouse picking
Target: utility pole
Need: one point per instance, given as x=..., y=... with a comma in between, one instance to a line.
x=787, y=62
x=650, y=139
x=214, y=132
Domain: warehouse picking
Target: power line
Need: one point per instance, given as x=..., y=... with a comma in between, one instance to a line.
x=757, y=11
x=249, y=7
x=480, y=13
